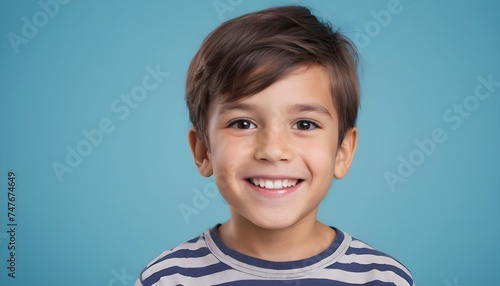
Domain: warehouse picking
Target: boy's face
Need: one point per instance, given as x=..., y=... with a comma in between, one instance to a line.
x=274, y=154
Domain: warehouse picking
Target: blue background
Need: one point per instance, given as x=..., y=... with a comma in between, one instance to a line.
x=119, y=207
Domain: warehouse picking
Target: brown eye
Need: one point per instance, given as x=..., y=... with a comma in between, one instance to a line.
x=242, y=124
x=305, y=125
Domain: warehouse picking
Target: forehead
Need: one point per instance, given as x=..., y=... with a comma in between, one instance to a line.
x=307, y=88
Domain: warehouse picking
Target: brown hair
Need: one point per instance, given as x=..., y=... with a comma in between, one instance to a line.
x=245, y=55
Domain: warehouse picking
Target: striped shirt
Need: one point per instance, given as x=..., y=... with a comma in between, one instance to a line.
x=205, y=260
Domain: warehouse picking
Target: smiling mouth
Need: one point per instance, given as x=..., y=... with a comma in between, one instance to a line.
x=274, y=184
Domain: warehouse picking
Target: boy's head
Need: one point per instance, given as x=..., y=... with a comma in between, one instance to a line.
x=273, y=98
x=246, y=55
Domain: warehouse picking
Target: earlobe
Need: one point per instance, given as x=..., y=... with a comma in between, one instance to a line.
x=345, y=153
x=200, y=153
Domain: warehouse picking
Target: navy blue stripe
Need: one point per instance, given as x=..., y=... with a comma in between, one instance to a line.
x=188, y=272
x=361, y=268
x=365, y=251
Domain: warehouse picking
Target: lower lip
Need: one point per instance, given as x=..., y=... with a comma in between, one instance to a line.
x=274, y=193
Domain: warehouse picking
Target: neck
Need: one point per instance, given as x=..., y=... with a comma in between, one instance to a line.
x=306, y=238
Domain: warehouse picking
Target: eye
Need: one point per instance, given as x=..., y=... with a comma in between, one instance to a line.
x=242, y=124
x=305, y=125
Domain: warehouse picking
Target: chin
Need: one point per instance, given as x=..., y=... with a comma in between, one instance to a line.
x=276, y=223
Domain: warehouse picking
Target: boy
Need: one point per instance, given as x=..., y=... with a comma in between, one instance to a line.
x=273, y=99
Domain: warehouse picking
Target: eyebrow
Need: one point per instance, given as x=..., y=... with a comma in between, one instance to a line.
x=295, y=108
x=237, y=106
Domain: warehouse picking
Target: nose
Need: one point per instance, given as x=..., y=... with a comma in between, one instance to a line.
x=273, y=145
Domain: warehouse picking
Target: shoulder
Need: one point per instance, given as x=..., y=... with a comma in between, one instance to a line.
x=186, y=258
x=363, y=258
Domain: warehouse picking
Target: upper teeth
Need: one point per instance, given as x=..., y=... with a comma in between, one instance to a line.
x=273, y=184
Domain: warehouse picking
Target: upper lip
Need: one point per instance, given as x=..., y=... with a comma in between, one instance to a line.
x=273, y=176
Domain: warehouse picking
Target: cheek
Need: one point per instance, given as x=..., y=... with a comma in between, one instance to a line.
x=227, y=157
x=228, y=147
x=320, y=150
x=223, y=180
x=320, y=157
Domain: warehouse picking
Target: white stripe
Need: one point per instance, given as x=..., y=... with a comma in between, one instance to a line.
x=230, y=275
x=360, y=244
x=360, y=277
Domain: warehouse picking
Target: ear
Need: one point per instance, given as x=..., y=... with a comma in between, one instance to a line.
x=345, y=153
x=200, y=152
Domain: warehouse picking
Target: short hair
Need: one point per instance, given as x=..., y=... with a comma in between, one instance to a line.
x=247, y=54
